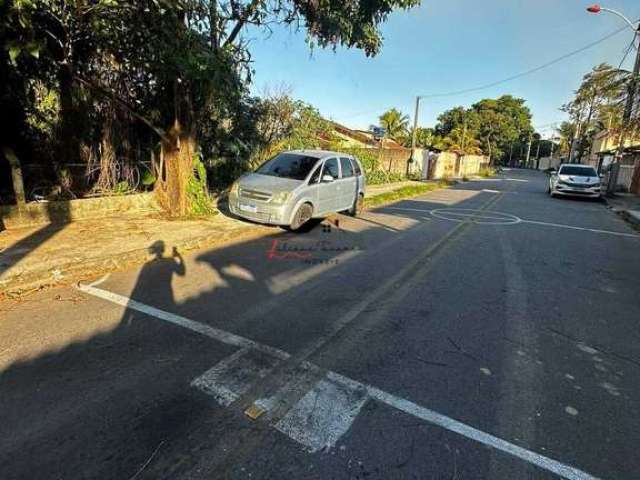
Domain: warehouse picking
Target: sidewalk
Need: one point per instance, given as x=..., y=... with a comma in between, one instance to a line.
x=626, y=205
x=35, y=257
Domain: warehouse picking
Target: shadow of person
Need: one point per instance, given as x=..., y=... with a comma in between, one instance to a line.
x=157, y=274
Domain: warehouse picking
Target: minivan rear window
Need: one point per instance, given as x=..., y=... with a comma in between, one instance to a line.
x=356, y=167
x=288, y=165
x=347, y=168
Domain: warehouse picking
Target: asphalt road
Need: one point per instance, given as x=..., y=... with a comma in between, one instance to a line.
x=481, y=332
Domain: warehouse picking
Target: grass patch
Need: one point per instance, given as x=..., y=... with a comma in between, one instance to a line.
x=403, y=193
x=487, y=172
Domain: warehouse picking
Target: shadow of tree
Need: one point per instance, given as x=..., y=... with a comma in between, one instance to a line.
x=58, y=214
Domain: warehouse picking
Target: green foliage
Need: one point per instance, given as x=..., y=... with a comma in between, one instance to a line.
x=396, y=124
x=122, y=188
x=373, y=172
x=148, y=178
x=597, y=105
x=198, y=191
x=489, y=127
x=425, y=138
x=487, y=172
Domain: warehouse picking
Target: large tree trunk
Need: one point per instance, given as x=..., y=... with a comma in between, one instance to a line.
x=106, y=179
x=176, y=170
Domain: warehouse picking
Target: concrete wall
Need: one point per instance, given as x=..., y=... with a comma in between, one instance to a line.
x=390, y=160
x=41, y=213
x=452, y=165
x=548, y=162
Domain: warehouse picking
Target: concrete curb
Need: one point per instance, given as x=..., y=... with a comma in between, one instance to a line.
x=629, y=217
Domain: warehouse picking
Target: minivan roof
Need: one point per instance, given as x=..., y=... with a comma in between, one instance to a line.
x=319, y=153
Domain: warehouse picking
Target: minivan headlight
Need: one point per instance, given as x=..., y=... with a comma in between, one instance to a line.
x=235, y=188
x=281, y=197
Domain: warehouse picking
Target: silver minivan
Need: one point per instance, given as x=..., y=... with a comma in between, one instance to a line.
x=296, y=186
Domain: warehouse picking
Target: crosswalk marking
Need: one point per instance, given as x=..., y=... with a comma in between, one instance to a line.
x=323, y=415
x=233, y=376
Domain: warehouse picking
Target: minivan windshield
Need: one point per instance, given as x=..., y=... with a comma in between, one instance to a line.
x=578, y=171
x=288, y=165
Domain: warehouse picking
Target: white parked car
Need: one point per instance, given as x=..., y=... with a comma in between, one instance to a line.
x=577, y=180
x=296, y=186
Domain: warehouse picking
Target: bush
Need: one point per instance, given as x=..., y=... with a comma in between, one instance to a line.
x=487, y=172
x=198, y=192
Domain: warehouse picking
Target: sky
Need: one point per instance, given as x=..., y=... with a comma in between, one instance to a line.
x=444, y=46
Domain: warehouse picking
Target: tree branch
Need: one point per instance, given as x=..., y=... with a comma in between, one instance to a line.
x=250, y=10
x=110, y=94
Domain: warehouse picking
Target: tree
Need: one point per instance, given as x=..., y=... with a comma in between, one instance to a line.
x=396, y=124
x=491, y=126
x=425, y=138
x=598, y=104
x=179, y=68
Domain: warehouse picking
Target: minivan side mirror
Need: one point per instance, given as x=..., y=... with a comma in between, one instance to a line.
x=327, y=178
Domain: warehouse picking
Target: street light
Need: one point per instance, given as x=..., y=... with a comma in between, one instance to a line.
x=598, y=9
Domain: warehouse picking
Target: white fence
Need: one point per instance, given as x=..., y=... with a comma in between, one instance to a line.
x=625, y=176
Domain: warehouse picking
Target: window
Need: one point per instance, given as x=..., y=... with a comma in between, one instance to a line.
x=347, y=168
x=356, y=167
x=288, y=165
x=331, y=168
x=315, y=176
x=578, y=171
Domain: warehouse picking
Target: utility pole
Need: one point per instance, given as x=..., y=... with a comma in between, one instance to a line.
x=414, y=134
x=526, y=163
x=511, y=154
x=538, y=154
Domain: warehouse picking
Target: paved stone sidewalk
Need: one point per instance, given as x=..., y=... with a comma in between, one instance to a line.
x=33, y=257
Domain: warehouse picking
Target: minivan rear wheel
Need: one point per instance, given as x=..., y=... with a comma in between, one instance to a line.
x=358, y=205
x=302, y=216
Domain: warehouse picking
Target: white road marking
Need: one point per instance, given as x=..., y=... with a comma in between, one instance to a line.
x=476, y=216
x=212, y=332
x=408, y=209
x=323, y=415
x=398, y=403
x=571, y=227
x=232, y=377
x=454, y=213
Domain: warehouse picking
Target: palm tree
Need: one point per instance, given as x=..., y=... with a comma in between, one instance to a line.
x=395, y=123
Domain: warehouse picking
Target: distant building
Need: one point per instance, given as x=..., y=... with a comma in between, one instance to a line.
x=604, y=147
x=349, y=138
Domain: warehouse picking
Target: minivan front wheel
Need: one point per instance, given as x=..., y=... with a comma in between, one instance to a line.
x=302, y=216
x=358, y=205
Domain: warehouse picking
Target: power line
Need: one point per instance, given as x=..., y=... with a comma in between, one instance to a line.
x=626, y=54
x=530, y=71
x=511, y=78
